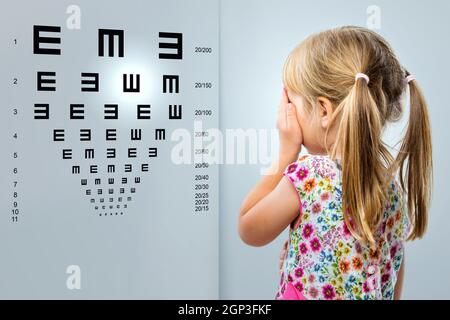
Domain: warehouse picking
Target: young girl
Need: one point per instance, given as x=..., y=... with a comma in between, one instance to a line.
x=348, y=214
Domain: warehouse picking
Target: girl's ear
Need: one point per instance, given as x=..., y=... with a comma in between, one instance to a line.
x=325, y=111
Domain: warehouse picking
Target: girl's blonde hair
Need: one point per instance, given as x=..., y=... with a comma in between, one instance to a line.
x=325, y=65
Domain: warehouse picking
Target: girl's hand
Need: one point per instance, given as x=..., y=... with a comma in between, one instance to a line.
x=291, y=137
x=282, y=256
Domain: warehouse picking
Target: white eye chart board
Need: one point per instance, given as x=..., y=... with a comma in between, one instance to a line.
x=96, y=95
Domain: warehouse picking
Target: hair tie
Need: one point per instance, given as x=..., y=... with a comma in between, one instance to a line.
x=410, y=78
x=362, y=76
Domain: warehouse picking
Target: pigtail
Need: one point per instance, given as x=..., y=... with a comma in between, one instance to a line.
x=414, y=161
x=364, y=158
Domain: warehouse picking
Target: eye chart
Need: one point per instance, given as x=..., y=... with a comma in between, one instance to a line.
x=96, y=97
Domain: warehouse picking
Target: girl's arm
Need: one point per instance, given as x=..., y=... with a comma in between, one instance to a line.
x=399, y=285
x=262, y=222
x=273, y=204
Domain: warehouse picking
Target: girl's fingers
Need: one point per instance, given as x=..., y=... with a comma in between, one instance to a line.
x=284, y=100
x=284, y=97
x=282, y=116
x=284, y=113
x=291, y=117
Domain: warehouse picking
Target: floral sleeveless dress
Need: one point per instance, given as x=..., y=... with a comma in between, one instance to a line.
x=324, y=260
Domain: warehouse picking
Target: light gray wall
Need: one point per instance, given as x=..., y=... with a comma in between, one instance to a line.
x=160, y=247
x=255, y=38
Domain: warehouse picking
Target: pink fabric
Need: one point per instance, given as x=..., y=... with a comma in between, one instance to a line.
x=291, y=293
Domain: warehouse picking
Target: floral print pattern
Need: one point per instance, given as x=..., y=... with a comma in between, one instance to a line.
x=324, y=260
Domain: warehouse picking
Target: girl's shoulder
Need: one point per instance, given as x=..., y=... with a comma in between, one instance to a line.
x=312, y=166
